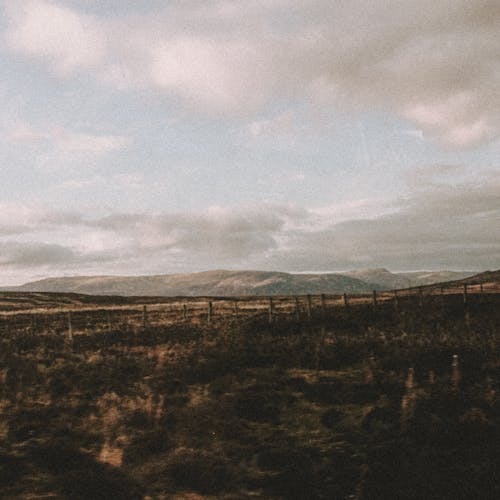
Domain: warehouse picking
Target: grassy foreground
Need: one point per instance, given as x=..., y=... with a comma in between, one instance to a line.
x=392, y=404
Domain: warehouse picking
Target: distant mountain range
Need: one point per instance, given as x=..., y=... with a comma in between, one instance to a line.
x=238, y=283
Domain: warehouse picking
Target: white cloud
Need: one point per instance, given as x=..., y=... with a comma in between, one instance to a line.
x=134, y=180
x=23, y=132
x=434, y=62
x=365, y=209
x=454, y=119
x=217, y=74
x=275, y=127
x=85, y=183
x=91, y=143
x=69, y=41
x=62, y=139
x=417, y=133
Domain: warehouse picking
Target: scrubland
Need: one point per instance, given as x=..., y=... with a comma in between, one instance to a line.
x=351, y=402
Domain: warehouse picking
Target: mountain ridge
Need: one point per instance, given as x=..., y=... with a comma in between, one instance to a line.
x=207, y=283
x=237, y=283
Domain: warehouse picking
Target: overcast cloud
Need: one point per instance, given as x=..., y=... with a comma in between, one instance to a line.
x=433, y=62
x=451, y=226
x=148, y=137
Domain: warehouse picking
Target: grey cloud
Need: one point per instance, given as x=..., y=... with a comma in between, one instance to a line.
x=61, y=219
x=152, y=243
x=435, y=62
x=470, y=200
x=20, y=220
x=451, y=226
x=425, y=176
x=51, y=256
x=455, y=227
x=34, y=254
x=226, y=234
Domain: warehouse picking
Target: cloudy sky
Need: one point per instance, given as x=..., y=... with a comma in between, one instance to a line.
x=184, y=135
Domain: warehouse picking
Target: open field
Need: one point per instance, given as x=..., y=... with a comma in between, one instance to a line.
x=40, y=313
x=392, y=398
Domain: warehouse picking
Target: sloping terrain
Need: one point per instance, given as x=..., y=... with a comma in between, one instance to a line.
x=211, y=283
x=488, y=277
x=385, y=278
x=488, y=280
x=238, y=283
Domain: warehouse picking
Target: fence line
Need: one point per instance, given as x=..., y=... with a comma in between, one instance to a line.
x=208, y=310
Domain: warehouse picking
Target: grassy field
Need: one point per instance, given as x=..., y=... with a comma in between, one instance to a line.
x=400, y=400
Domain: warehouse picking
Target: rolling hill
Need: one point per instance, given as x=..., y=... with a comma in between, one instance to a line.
x=210, y=283
x=238, y=283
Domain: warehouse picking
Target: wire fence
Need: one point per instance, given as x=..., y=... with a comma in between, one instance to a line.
x=71, y=319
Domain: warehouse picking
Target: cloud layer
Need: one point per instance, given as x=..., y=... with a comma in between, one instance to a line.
x=121, y=108
x=62, y=139
x=434, y=62
x=449, y=227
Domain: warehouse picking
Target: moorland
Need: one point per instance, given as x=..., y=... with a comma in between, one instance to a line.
x=392, y=395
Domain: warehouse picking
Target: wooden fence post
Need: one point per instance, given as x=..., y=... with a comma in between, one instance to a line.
x=210, y=311
x=297, y=308
x=346, y=301
x=466, y=308
x=455, y=373
x=323, y=305
x=481, y=290
x=70, y=327
x=374, y=300
x=270, y=309
x=235, y=307
x=309, y=306
x=184, y=312
x=125, y=319
x=144, y=317
x=319, y=347
x=409, y=400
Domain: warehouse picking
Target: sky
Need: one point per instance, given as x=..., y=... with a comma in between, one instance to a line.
x=174, y=136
